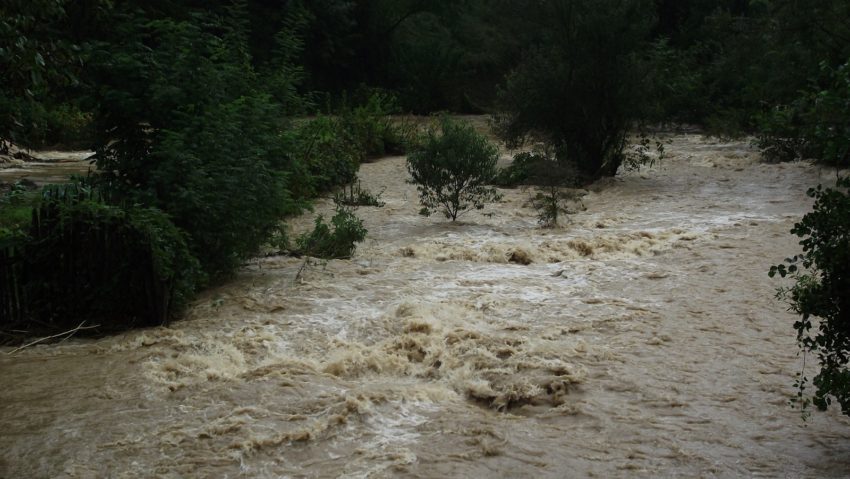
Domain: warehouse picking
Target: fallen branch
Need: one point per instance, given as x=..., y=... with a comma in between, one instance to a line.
x=301, y=270
x=69, y=333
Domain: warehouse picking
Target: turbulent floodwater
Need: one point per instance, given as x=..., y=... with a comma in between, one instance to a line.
x=640, y=340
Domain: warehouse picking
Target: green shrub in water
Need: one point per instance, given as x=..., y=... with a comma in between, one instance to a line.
x=337, y=243
x=452, y=169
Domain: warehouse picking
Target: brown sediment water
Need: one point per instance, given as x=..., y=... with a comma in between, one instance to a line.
x=640, y=339
x=48, y=166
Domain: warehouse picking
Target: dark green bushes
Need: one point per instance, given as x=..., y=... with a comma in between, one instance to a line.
x=321, y=156
x=85, y=260
x=337, y=243
x=186, y=128
x=16, y=204
x=536, y=168
x=36, y=62
x=815, y=125
x=370, y=128
x=821, y=293
x=451, y=169
x=197, y=167
x=583, y=88
x=521, y=171
x=326, y=151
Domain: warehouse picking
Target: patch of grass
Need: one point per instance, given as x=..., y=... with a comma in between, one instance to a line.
x=16, y=204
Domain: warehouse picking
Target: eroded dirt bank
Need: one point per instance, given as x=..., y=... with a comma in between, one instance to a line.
x=640, y=340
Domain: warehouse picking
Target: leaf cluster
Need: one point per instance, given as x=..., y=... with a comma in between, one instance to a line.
x=370, y=128
x=822, y=291
x=337, y=243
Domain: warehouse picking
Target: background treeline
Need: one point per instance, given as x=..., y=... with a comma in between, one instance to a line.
x=732, y=66
x=213, y=120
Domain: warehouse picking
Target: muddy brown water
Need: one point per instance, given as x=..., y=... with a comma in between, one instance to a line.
x=49, y=167
x=642, y=339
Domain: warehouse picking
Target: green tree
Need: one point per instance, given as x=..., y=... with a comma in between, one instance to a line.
x=37, y=58
x=185, y=126
x=582, y=88
x=452, y=168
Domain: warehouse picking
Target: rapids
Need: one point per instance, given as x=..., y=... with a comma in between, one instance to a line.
x=640, y=339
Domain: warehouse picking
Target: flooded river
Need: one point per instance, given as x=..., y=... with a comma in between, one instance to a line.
x=48, y=167
x=641, y=339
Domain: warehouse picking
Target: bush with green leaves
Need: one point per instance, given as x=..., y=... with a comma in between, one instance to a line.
x=321, y=157
x=821, y=294
x=813, y=126
x=326, y=151
x=371, y=129
x=453, y=168
x=84, y=260
x=553, y=202
x=337, y=243
x=556, y=195
x=185, y=126
x=779, y=137
x=584, y=86
x=539, y=167
x=521, y=170
x=37, y=60
x=17, y=201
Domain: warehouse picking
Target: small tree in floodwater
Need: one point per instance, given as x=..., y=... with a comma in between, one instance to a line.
x=822, y=291
x=452, y=168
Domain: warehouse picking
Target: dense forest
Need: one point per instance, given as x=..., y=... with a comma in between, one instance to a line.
x=211, y=121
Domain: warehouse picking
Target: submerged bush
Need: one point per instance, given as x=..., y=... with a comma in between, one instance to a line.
x=553, y=202
x=779, y=136
x=539, y=168
x=521, y=170
x=337, y=243
x=355, y=195
x=821, y=294
x=555, y=195
x=452, y=168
